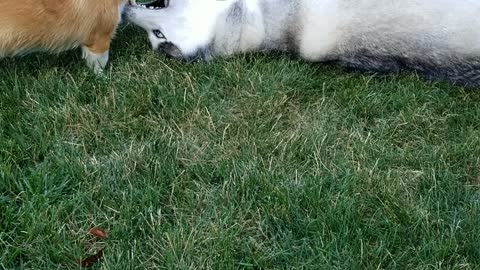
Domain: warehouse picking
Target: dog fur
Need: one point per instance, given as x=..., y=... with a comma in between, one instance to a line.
x=439, y=39
x=58, y=25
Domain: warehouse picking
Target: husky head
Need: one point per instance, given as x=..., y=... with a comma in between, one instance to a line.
x=180, y=28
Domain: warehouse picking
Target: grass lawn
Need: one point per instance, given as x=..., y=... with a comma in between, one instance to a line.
x=253, y=162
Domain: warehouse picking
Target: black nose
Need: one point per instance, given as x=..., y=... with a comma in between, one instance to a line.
x=171, y=50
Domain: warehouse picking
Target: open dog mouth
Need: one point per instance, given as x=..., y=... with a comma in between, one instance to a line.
x=157, y=4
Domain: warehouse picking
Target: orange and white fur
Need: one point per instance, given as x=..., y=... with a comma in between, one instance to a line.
x=59, y=25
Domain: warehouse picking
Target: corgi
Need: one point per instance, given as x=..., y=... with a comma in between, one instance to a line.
x=58, y=25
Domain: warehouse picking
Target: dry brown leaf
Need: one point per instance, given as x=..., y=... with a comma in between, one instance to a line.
x=90, y=261
x=98, y=232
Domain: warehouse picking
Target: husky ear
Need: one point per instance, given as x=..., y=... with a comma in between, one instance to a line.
x=171, y=50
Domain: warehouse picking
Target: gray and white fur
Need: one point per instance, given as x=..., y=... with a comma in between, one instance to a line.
x=439, y=39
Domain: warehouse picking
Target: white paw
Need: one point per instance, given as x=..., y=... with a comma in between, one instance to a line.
x=95, y=61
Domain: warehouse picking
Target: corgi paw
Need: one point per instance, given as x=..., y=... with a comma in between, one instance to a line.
x=95, y=61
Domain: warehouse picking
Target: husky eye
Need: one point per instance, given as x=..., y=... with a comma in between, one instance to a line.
x=159, y=34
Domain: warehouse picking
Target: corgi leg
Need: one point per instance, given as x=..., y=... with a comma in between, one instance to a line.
x=96, y=54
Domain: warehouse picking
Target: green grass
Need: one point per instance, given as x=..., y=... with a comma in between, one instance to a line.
x=252, y=162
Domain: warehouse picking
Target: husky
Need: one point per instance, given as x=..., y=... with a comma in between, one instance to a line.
x=439, y=39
